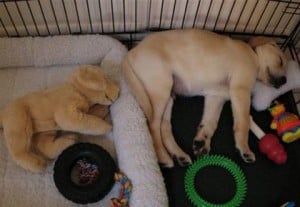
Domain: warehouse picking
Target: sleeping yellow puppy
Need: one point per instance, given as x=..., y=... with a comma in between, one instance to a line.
x=194, y=62
x=33, y=120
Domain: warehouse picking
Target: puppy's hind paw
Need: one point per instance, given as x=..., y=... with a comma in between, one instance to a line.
x=166, y=165
x=200, y=149
x=166, y=162
x=183, y=161
x=248, y=157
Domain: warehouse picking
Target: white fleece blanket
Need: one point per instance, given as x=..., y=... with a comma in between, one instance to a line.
x=29, y=64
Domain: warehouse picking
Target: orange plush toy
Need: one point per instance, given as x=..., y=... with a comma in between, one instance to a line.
x=287, y=124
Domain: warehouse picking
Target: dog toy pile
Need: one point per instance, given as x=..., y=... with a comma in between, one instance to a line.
x=287, y=124
x=88, y=172
x=84, y=173
x=126, y=188
x=219, y=161
x=269, y=144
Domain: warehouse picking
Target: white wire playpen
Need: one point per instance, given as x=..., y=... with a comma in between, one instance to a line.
x=131, y=20
x=275, y=18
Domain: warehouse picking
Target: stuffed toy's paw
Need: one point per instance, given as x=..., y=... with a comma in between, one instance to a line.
x=263, y=95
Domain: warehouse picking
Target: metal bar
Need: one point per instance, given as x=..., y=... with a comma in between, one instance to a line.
x=44, y=17
x=291, y=17
x=291, y=53
x=210, y=3
x=11, y=19
x=2, y=1
x=149, y=14
x=101, y=17
x=66, y=16
x=196, y=13
x=173, y=14
x=238, y=21
x=135, y=16
x=184, y=14
x=6, y=32
x=292, y=35
x=55, y=18
x=33, y=18
x=251, y=15
x=296, y=55
x=112, y=15
x=268, y=22
x=161, y=13
x=229, y=16
x=124, y=16
x=260, y=17
x=22, y=18
x=89, y=14
x=286, y=1
x=293, y=7
x=218, y=16
x=278, y=22
x=293, y=13
x=225, y=33
x=296, y=40
x=78, y=19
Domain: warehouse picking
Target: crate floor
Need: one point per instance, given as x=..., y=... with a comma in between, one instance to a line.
x=269, y=185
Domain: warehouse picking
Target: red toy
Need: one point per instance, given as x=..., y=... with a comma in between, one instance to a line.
x=269, y=144
x=287, y=124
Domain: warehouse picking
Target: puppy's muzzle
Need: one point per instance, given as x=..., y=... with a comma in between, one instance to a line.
x=277, y=81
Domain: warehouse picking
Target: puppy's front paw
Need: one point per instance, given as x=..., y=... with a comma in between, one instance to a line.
x=200, y=148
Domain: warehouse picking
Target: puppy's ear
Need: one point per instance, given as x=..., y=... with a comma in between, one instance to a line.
x=89, y=77
x=257, y=41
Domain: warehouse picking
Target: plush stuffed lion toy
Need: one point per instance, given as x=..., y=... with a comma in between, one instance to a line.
x=31, y=122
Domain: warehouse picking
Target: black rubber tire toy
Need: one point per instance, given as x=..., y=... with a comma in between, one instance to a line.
x=94, y=191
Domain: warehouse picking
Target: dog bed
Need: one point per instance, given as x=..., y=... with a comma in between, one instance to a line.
x=28, y=64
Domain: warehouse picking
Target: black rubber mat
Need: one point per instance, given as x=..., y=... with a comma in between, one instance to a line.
x=269, y=185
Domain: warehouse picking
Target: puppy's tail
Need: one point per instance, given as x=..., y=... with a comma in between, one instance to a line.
x=137, y=88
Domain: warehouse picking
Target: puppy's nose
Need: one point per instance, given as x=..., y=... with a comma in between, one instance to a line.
x=277, y=82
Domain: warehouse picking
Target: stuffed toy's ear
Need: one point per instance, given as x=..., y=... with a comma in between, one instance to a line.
x=90, y=77
x=99, y=110
x=263, y=95
x=257, y=41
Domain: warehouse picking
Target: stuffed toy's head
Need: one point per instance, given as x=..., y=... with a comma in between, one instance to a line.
x=263, y=95
x=94, y=84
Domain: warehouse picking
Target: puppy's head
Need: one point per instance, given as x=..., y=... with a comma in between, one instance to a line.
x=271, y=60
x=93, y=84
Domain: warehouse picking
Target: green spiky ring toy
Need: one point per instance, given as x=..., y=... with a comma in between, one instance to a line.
x=219, y=161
